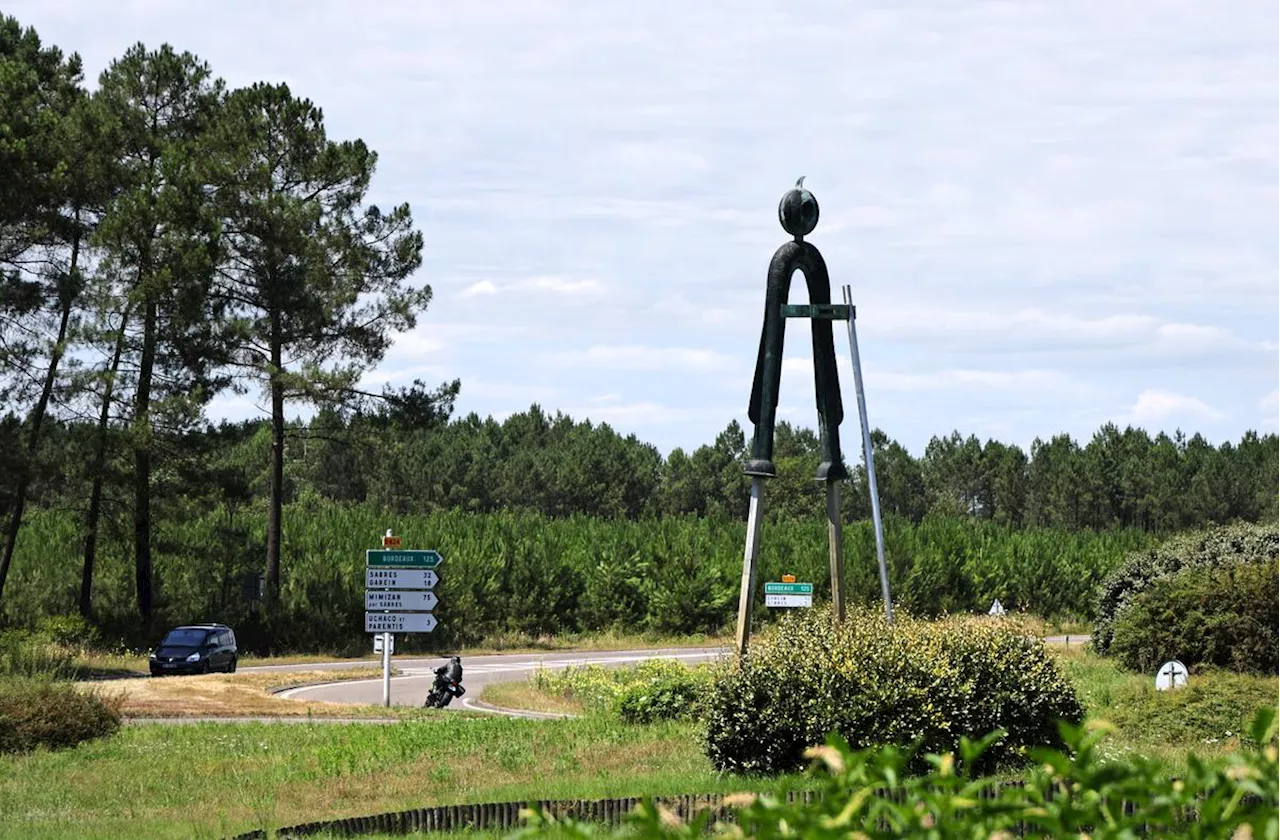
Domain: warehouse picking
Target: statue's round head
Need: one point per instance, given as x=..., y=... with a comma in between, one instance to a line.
x=798, y=211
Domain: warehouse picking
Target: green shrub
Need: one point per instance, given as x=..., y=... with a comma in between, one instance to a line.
x=677, y=696
x=1226, y=545
x=69, y=631
x=874, y=684
x=24, y=653
x=1225, y=616
x=43, y=713
x=651, y=690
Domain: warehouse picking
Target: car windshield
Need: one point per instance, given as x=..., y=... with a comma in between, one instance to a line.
x=184, y=637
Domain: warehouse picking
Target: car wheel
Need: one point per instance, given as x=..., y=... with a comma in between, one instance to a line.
x=205, y=667
x=231, y=666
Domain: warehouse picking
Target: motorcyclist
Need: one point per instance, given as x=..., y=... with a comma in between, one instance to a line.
x=454, y=670
x=448, y=676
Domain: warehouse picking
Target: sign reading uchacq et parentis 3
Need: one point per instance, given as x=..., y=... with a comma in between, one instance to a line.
x=399, y=622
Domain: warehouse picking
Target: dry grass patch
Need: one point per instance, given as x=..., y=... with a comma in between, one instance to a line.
x=238, y=695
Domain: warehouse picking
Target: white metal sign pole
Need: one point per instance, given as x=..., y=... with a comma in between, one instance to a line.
x=386, y=662
x=386, y=669
x=868, y=454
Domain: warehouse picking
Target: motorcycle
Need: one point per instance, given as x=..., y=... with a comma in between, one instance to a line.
x=448, y=685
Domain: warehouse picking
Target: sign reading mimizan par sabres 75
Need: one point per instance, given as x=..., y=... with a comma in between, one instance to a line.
x=398, y=594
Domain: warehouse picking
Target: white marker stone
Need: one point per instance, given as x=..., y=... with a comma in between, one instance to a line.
x=1172, y=674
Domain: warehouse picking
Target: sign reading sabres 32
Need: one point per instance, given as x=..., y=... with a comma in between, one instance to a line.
x=376, y=578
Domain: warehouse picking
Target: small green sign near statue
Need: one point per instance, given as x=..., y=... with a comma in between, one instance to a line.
x=798, y=213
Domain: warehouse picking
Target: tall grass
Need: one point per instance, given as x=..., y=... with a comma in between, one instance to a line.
x=213, y=780
x=522, y=573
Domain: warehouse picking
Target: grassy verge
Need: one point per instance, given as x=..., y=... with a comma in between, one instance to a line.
x=240, y=695
x=211, y=780
x=525, y=696
x=1206, y=717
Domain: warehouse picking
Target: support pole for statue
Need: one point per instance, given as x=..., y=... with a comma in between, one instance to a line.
x=750, y=558
x=868, y=454
x=835, y=543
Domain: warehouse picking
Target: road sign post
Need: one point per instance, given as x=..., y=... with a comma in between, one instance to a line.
x=398, y=595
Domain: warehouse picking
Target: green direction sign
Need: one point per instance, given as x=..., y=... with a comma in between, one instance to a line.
x=788, y=589
x=403, y=558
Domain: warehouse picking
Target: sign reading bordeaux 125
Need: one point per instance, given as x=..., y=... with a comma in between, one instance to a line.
x=398, y=584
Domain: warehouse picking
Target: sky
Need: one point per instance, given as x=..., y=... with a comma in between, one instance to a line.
x=1052, y=215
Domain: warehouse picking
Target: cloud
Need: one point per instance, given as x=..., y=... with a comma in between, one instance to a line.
x=632, y=414
x=1044, y=329
x=973, y=380
x=518, y=394
x=1271, y=401
x=648, y=414
x=553, y=285
x=1154, y=407
x=637, y=357
x=949, y=379
x=481, y=287
x=559, y=285
x=1028, y=196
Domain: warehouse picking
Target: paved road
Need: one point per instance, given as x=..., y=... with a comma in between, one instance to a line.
x=411, y=687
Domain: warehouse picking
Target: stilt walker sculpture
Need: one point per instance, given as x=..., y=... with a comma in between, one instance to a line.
x=798, y=213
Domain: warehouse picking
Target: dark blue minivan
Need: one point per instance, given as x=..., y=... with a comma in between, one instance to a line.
x=195, y=649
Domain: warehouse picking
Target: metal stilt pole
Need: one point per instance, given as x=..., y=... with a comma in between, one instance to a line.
x=868, y=454
x=836, y=544
x=750, y=556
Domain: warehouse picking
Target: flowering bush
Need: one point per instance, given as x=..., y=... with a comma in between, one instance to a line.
x=873, y=683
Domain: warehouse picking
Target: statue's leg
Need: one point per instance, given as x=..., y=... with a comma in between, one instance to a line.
x=826, y=379
x=763, y=409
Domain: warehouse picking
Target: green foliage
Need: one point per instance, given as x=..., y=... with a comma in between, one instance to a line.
x=43, y=713
x=875, y=684
x=1223, y=546
x=69, y=631
x=1225, y=616
x=511, y=573
x=677, y=697
x=872, y=793
x=1214, y=707
x=24, y=653
x=654, y=690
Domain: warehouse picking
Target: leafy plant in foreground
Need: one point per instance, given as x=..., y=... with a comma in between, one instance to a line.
x=871, y=794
